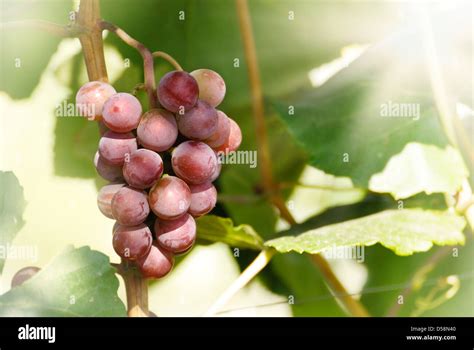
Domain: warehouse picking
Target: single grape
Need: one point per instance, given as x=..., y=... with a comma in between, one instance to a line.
x=211, y=86
x=112, y=173
x=198, y=123
x=157, y=263
x=142, y=168
x=114, y=147
x=222, y=132
x=170, y=197
x=23, y=275
x=217, y=172
x=91, y=97
x=176, y=236
x=203, y=199
x=194, y=162
x=157, y=130
x=233, y=141
x=130, y=206
x=132, y=242
x=178, y=91
x=105, y=196
x=122, y=112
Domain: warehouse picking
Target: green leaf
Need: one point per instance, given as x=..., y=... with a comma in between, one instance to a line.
x=404, y=231
x=29, y=49
x=350, y=126
x=78, y=282
x=216, y=229
x=12, y=206
x=421, y=168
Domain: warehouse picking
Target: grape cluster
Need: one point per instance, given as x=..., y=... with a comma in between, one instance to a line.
x=160, y=164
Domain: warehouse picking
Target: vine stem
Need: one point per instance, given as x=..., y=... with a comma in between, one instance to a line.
x=169, y=58
x=245, y=277
x=88, y=17
x=148, y=68
x=352, y=306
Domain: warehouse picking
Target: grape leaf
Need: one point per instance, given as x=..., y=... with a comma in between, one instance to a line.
x=404, y=231
x=421, y=168
x=216, y=229
x=78, y=282
x=12, y=205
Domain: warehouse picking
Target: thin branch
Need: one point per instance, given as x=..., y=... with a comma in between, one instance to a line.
x=256, y=94
x=285, y=185
x=352, y=305
x=148, y=69
x=245, y=277
x=169, y=58
x=69, y=31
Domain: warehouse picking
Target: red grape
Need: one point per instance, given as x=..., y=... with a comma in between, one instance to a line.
x=91, y=97
x=178, y=90
x=194, y=161
x=143, y=168
x=132, y=242
x=24, y=275
x=217, y=172
x=176, y=235
x=157, y=263
x=112, y=173
x=170, y=197
x=113, y=147
x=122, y=112
x=105, y=196
x=222, y=132
x=211, y=86
x=130, y=206
x=198, y=123
x=203, y=199
x=233, y=141
x=157, y=130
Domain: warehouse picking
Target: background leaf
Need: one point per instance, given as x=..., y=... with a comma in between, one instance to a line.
x=421, y=168
x=216, y=229
x=78, y=282
x=12, y=205
x=403, y=231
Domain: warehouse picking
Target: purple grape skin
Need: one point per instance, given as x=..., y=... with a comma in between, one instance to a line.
x=157, y=263
x=122, y=112
x=143, y=168
x=114, y=147
x=176, y=90
x=233, y=141
x=90, y=98
x=105, y=196
x=169, y=198
x=217, y=172
x=157, y=130
x=199, y=123
x=176, y=236
x=203, y=199
x=194, y=162
x=112, y=173
x=130, y=206
x=211, y=86
x=24, y=275
x=222, y=132
x=132, y=242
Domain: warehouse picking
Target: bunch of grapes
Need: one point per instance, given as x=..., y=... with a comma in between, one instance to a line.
x=161, y=164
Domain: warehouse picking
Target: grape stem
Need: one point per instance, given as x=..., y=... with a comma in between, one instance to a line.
x=88, y=18
x=351, y=305
x=148, y=68
x=168, y=58
x=245, y=277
